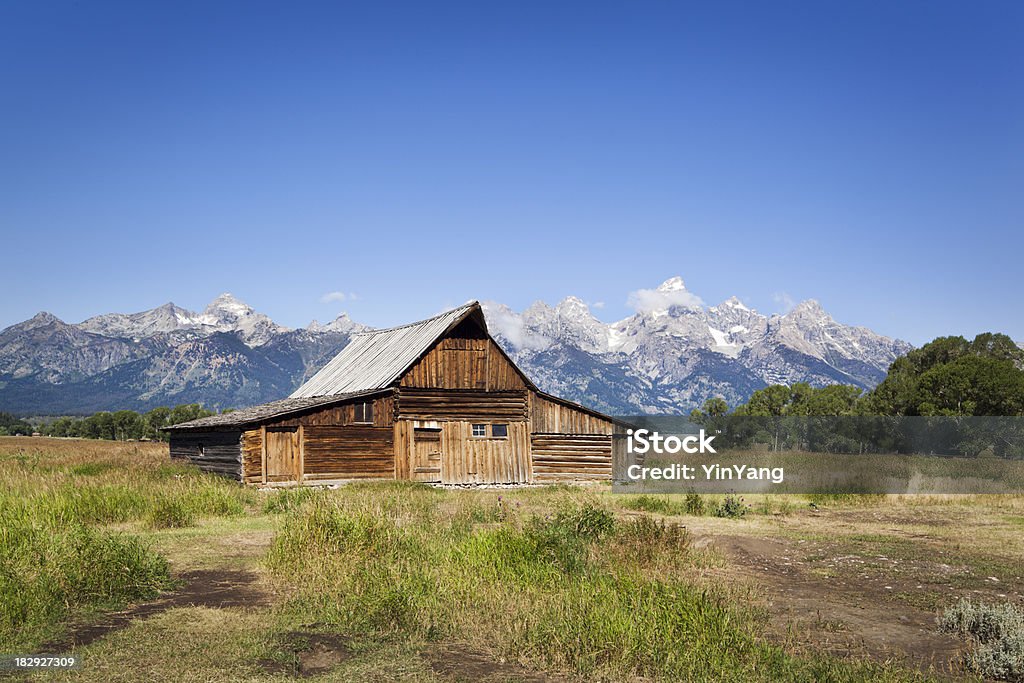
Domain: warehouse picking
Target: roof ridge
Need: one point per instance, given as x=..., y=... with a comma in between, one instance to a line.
x=365, y=333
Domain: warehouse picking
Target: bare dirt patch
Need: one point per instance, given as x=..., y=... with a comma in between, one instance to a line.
x=457, y=662
x=310, y=653
x=213, y=588
x=851, y=614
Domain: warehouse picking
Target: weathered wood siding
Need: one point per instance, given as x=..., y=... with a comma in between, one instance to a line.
x=461, y=363
x=349, y=452
x=219, y=452
x=440, y=404
x=466, y=459
x=562, y=457
x=383, y=415
x=551, y=417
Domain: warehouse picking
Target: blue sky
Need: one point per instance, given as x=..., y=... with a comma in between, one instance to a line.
x=867, y=154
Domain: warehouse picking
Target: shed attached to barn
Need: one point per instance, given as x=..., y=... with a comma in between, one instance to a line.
x=433, y=401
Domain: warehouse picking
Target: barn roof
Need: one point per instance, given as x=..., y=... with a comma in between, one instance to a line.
x=375, y=359
x=267, y=411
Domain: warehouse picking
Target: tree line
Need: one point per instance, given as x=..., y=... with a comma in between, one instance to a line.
x=947, y=377
x=959, y=389
x=124, y=425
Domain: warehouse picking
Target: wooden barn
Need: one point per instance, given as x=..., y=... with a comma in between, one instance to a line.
x=433, y=401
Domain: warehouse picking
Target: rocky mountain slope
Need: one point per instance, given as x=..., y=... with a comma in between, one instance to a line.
x=669, y=356
x=674, y=353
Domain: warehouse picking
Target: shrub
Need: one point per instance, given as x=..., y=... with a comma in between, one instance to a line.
x=587, y=521
x=694, y=504
x=732, y=507
x=998, y=634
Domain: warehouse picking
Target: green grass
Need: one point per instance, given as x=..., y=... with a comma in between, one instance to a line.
x=556, y=579
x=573, y=589
x=49, y=570
x=72, y=523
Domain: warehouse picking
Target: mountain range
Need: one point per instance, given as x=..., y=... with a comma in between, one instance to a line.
x=670, y=356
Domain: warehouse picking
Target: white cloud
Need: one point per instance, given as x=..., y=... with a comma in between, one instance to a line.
x=504, y=322
x=598, y=305
x=784, y=300
x=648, y=300
x=331, y=297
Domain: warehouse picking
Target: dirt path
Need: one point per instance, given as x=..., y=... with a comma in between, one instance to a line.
x=848, y=616
x=215, y=588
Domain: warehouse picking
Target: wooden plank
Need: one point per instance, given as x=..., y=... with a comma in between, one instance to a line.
x=301, y=469
x=263, y=451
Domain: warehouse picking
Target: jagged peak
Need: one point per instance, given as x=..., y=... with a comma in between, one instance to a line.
x=574, y=305
x=229, y=301
x=810, y=307
x=734, y=302
x=42, y=318
x=226, y=309
x=673, y=284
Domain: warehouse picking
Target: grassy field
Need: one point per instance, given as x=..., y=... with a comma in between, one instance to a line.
x=150, y=570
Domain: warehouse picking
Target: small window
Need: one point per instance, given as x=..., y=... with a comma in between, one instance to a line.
x=479, y=430
x=364, y=411
x=201, y=451
x=499, y=431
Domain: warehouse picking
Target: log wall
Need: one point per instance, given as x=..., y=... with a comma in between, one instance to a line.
x=217, y=452
x=440, y=404
x=564, y=457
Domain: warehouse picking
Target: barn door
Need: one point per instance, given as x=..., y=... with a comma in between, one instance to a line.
x=426, y=455
x=282, y=454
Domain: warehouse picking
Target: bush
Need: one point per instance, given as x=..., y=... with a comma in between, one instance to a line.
x=694, y=505
x=998, y=634
x=588, y=521
x=732, y=507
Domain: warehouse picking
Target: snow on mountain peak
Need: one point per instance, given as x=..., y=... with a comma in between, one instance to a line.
x=573, y=307
x=673, y=284
x=733, y=302
x=669, y=294
x=226, y=307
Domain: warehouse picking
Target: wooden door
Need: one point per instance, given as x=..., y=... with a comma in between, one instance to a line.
x=426, y=455
x=282, y=454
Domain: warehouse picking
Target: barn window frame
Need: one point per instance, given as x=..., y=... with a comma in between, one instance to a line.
x=504, y=428
x=479, y=430
x=364, y=412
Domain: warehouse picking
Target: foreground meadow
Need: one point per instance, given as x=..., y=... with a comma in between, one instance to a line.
x=146, y=569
